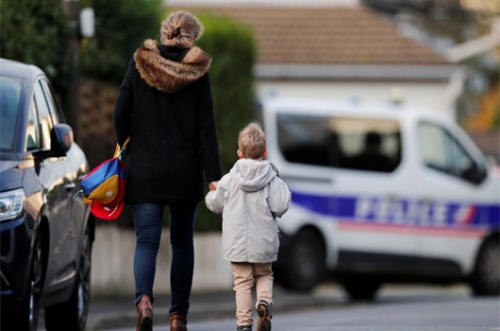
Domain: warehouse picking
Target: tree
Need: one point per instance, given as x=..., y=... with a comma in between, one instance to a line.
x=120, y=28
x=36, y=32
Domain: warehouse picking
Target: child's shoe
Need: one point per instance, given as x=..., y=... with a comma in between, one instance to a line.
x=244, y=328
x=264, y=322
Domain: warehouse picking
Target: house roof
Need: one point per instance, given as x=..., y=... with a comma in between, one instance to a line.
x=329, y=35
x=333, y=43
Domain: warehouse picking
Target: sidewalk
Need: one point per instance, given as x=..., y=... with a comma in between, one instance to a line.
x=399, y=308
x=118, y=312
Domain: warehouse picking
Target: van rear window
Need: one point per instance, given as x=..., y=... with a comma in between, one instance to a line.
x=340, y=142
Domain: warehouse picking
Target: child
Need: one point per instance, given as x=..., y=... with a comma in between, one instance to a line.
x=250, y=198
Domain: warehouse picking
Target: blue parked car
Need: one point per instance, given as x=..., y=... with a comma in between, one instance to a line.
x=45, y=236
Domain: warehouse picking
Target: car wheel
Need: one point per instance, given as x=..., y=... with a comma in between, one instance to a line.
x=27, y=317
x=485, y=278
x=72, y=315
x=305, y=262
x=360, y=287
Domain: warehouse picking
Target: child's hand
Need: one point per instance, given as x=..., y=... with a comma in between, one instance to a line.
x=212, y=186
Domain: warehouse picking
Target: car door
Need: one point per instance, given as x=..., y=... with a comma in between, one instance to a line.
x=454, y=199
x=77, y=167
x=51, y=173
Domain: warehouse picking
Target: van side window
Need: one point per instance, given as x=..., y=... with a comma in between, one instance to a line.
x=442, y=152
x=340, y=142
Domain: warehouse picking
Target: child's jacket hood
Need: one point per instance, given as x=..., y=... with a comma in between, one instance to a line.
x=166, y=75
x=252, y=175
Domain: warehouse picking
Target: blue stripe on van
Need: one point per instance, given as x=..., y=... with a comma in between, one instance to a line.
x=403, y=211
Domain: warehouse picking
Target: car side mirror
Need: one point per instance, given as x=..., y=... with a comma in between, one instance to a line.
x=61, y=137
x=475, y=174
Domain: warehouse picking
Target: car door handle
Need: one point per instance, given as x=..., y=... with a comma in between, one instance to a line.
x=70, y=187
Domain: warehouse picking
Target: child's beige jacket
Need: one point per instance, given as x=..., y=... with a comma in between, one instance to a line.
x=250, y=198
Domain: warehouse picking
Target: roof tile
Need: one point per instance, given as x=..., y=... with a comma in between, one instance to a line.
x=330, y=35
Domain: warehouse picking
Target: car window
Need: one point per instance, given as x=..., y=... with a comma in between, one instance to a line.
x=46, y=123
x=54, y=112
x=32, y=132
x=441, y=151
x=10, y=94
x=342, y=142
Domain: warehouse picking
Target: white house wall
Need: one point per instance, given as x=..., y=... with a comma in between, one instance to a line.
x=435, y=96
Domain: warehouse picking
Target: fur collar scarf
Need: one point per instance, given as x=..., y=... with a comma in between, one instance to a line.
x=166, y=75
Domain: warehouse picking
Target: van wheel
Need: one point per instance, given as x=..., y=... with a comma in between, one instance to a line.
x=72, y=315
x=305, y=262
x=362, y=288
x=485, y=279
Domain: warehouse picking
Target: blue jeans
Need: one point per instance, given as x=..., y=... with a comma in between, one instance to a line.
x=148, y=225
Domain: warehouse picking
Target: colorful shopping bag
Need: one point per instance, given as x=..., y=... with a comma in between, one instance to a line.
x=104, y=187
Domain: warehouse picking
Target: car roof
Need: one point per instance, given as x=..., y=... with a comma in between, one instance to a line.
x=19, y=70
x=314, y=106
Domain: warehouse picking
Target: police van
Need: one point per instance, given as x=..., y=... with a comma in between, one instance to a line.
x=381, y=194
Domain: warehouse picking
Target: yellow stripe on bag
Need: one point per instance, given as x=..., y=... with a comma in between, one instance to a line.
x=107, y=191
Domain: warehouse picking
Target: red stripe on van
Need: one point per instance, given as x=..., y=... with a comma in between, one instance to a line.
x=405, y=229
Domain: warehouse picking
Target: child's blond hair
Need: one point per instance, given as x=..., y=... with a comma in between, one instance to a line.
x=252, y=141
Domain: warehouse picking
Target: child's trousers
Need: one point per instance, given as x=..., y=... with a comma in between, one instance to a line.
x=245, y=275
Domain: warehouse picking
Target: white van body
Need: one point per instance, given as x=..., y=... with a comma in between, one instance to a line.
x=423, y=206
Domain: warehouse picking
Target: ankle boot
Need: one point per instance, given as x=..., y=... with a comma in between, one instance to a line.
x=144, y=315
x=264, y=322
x=178, y=322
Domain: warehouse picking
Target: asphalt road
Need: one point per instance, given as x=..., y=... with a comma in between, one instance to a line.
x=398, y=308
x=450, y=315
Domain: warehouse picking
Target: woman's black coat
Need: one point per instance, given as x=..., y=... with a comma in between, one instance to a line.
x=165, y=106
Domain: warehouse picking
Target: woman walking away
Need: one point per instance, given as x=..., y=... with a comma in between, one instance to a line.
x=165, y=106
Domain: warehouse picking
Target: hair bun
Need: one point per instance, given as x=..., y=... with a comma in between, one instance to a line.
x=174, y=33
x=180, y=28
x=177, y=32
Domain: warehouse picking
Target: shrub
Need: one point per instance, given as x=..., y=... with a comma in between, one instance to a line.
x=120, y=28
x=232, y=48
x=36, y=32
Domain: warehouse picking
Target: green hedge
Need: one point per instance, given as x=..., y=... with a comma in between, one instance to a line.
x=232, y=48
x=120, y=28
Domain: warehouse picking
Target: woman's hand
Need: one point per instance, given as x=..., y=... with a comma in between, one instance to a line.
x=212, y=186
